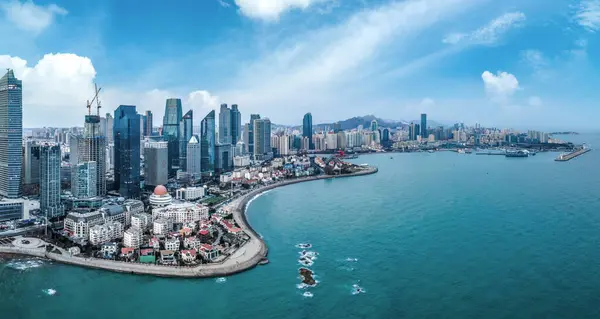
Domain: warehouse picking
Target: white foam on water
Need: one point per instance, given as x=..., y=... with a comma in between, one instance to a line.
x=25, y=264
x=221, y=280
x=308, y=294
x=350, y=259
x=49, y=292
x=302, y=286
x=356, y=289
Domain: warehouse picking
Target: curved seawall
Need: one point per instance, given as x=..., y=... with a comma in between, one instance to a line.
x=246, y=257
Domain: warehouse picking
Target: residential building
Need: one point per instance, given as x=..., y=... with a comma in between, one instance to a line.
x=126, y=134
x=50, y=158
x=192, y=243
x=11, y=135
x=190, y=193
x=423, y=132
x=156, y=159
x=181, y=212
x=194, y=157
x=208, y=252
x=172, y=244
x=162, y=226
x=249, y=135
x=188, y=255
x=132, y=207
x=141, y=221
x=262, y=139
x=31, y=163
x=241, y=161
x=132, y=238
x=106, y=232
x=78, y=224
x=84, y=182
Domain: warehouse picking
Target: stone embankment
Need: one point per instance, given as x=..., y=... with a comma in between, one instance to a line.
x=246, y=257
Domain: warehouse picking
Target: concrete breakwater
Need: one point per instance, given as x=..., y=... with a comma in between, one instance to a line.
x=246, y=257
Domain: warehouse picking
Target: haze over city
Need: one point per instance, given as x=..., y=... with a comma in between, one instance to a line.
x=511, y=63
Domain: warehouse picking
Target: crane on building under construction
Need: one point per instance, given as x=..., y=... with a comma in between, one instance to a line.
x=95, y=98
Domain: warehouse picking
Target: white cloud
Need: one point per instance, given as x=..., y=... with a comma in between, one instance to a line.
x=535, y=101
x=489, y=33
x=224, y=3
x=534, y=58
x=500, y=86
x=56, y=88
x=271, y=10
x=30, y=17
x=588, y=15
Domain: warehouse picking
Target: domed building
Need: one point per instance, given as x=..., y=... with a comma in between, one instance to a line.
x=160, y=197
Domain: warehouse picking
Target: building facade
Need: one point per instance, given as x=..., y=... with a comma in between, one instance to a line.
x=91, y=147
x=50, y=158
x=170, y=131
x=156, y=161
x=207, y=142
x=11, y=135
x=84, y=183
x=148, y=123
x=224, y=125
x=236, y=125
x=194, y=158
x=126, y=134
x=307, y=129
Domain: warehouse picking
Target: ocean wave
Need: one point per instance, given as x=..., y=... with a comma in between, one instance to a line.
x=304, y=245
x=221, y=280
x=350, y=259
x=308, y=294
x=26, y=264
x=356, y=289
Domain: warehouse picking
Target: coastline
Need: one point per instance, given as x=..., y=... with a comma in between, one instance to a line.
x=245, y=258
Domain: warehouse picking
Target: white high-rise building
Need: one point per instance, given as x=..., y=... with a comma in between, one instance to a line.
x=194, y=157
x=84, y=183
x=132, y=238
x=331, y=141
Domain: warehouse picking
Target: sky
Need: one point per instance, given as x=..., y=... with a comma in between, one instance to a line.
x=512, y=63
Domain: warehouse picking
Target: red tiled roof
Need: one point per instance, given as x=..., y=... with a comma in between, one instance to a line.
x=126, y=251
x=204, y=232
x=206, y=247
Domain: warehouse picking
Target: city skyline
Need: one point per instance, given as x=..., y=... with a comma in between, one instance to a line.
x=347, y=60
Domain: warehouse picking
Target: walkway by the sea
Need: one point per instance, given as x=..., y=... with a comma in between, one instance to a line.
x=245, y=257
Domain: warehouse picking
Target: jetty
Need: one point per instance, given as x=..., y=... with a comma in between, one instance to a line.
x=572, y=155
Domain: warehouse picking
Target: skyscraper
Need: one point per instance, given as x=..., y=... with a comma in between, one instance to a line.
x=91, y=147
x=236, y=124
x=156, y=158
x=148, y=123
x=50, y=159
x=224, y=125
x=307, y=129
x=374, y=125
x=126, y=134
x=223, y=158
x=173, y=114
x=31, y=163
x=207, y=142
x=109, y=128
x=185, y=133
x=11, y=135
x=194, y=158
x=85, y=183
x=262, y=139
x=423, y=132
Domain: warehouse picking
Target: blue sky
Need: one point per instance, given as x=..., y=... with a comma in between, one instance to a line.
x=522, y=64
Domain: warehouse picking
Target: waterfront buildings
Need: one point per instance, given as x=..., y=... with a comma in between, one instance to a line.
x=190, y=193
x=106, y=232
x=31, y=163
x=11, y=135
x=11, y=209
x=170, y=131
x=160, y=197
x=172, y=244
x=181, y=212
x=374, y=125
x=85, y=180
x=132, y=238
x=148, y=123
x=207, y=143
x=156, y=170
x=162, y=226
x=141, y=221
x=50, y=158
x=249, y=135
x=225, y=125
x=78, y=224
x=194, y=158
x=185, y=134
x=262, y=139
x=126, y=134
x=91, y=147
x=236, y=125
x=307, y=130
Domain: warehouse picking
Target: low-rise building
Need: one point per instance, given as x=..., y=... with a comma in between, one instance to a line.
x=188, y=255
x=181, y=212
x=108, y=250
x=209, y=252
x=162, y=226
x=132, y=207
x=190, y=193
x=167, y=257
x=113, y=212
x=172, y=244
x=127, y=252
x=132, y=237
x=141, y=221
x=106, y=232
x=78, y=224
x=154, y=243
x=192, y=243
x=160, y=197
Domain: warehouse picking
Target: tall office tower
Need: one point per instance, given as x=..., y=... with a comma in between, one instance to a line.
x=262, y=138
x=91, y=147
x=207, y=142
x=423, y=132
x=417, y=132
x=307, y=129
x=11, y=135
x=85, y=183
x=186, y=127
x=249, y=134
x=31, y=163
x=50, y=159
x=411, y=131
x=267, y=136
x=156, y=158
x=103, y=130
x=374, y=125
x=224, y=125
x=109, y=128
x=223, y=158
x=126, y=134
x=148, y=124
x=236, y=124
x=173, y=114
x=194, y=158
x=142, y=122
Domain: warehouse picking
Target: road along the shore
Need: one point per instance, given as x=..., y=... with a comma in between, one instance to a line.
x=246, y=257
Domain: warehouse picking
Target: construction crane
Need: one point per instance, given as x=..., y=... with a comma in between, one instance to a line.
x=96, y=98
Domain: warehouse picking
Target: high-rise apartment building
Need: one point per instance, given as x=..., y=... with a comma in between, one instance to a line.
x=126, y=134
x=85, y=183
x=262, y=139
x=50, y=158
x=11, y=135
x=236, y=124
x=156, y=158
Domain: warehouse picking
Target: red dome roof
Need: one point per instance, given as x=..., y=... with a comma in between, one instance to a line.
x=160, y=190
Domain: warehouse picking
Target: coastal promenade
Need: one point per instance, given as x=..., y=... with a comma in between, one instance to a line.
x=244, y=258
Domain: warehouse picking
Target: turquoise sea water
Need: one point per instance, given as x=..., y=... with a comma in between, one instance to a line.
x=435, y=235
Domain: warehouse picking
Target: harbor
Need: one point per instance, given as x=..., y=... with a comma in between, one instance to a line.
x=572, y=155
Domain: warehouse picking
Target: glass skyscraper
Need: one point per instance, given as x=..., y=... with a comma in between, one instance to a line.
x=11, y=135
x=307, y=129
x=148, y=123
x=185, y=133
x=224, y=125
x=207, y=142
x=236, y=125
x=126, y=133
x=173, y=114
x=423, y=132
x=50, y=159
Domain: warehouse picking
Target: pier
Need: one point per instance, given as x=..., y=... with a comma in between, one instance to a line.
x=572, y=155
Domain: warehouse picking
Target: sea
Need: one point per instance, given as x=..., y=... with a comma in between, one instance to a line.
x=431, y=235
